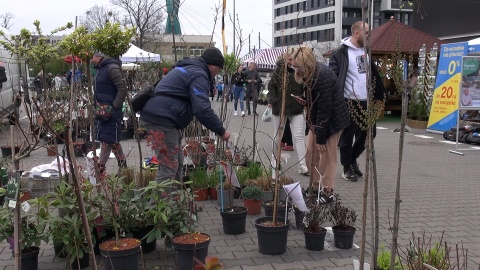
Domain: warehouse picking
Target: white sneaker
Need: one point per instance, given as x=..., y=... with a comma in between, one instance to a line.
x=303, y=170
x=243, y=113
x=235, y=113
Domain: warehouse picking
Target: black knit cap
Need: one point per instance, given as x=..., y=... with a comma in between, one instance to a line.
x=213, y=56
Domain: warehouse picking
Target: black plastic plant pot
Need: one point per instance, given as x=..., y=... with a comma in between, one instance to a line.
x=30, y=258
x=272, y=240
x=234, y=220
x=139, y=233
x=58, y=249
x=269, y=209
x=343, y=239
x=299, y=219
x=185, y=253
x=315, y=240
x=84, y=262
x=124, y=258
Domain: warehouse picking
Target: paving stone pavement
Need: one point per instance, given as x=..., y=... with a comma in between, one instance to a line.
x=439, y=193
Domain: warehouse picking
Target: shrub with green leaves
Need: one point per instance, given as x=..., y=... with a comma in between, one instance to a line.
x=252, y=193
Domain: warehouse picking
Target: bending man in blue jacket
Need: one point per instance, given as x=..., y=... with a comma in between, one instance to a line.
x=180, y=95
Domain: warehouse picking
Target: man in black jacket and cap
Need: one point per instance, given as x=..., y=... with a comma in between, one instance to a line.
x=180, y=95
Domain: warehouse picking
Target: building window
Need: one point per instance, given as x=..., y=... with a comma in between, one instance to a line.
x=329, y=2
x=406, y=19
x=312, y=3
x=291, y=23
x=298, y=6
x=304, y=19
x=319, y=37
x=318, y=18
x=330, y=34
x=399, y=17
x=277, y=26
x=354, y=15
x=318, y=3
x=345, y=14
x=181, y=51
x=312, y=35
x=291, y=8
x=286, y=9
x=196, y=51
x=312, y=20
x=376, y=8
x=344, y=32
x=376, y=23
x=304, y=5
x=286, y=25
x=330, y=17
x=277, y=12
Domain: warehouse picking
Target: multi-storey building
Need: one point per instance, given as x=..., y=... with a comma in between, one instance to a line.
x=323, y=22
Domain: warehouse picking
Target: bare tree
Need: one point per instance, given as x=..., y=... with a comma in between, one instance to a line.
x=98, y=16
x=5, y=20
x=146, y=15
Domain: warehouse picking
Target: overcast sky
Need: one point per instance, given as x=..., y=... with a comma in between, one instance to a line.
x=196, y=17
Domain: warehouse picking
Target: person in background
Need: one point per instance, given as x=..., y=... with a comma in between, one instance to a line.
x=109, y=89
x=466, y=98
x=238, y=82
x=327, y=116
x=180, y=96
x=58, y=82
x=251, y=94
x=348, y=63
x=287, y=142
x=293, y=109
x=220, y=87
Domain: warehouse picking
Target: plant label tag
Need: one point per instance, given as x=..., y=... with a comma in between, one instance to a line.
x=12, y=203
x=25, y=206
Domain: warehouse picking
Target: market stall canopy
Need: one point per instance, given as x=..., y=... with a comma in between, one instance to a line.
x=384, y=39
x=264, y=58
x=130, y=66
x=135, y=54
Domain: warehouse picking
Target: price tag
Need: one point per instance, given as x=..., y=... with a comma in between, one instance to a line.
x=25, y=206
x=12, y=203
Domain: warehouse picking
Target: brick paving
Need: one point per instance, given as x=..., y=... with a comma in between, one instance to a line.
x=439, y=191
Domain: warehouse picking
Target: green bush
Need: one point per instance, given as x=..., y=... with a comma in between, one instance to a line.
x=252, y=193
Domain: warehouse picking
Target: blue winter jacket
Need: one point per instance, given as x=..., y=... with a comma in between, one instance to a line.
x=182, y=94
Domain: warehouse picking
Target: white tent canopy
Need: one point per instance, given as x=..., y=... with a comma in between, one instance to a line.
x=135, y=54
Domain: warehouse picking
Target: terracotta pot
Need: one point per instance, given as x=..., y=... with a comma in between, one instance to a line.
x=254, y=206
x=212, y=192
x=52, y=150
x=201, y=194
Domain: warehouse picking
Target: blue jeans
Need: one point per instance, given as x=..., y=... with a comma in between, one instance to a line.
x=238, y=94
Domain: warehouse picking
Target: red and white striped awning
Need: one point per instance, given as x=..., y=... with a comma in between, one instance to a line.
x=264, y=58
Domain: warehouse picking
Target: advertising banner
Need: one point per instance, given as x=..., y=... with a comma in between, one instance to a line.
x=443, y=113
x=470, y=94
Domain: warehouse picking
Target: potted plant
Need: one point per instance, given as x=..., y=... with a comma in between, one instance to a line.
x=343, y=219
x=252, y=199
x=418, y=109
x=33, y=226
x=234, y=218
x=265, y=183
x=2, y=195
x=213, y=180
x=313, y=231
x=119, y=212
x=199, y=178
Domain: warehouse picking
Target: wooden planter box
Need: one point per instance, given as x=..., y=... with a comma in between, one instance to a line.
x=418, y=124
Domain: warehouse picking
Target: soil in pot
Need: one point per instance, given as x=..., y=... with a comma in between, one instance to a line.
x=190, y=245
x=272, y=237
x=343, y=237
x=254, y=206
x=234, y=220
x=125, y=256
x=315, y=240
x=268, y=207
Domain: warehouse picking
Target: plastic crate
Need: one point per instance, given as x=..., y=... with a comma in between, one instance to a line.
x=42, y=184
